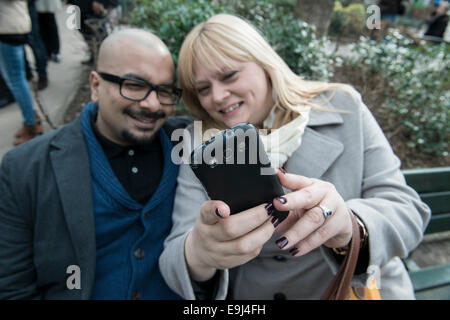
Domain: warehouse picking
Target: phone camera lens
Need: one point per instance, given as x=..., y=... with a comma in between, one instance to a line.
x=241, y=146
x=229, y=133
x=213, y=162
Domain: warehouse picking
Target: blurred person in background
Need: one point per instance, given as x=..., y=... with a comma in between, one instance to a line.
x=438, y=22
x=37, y=46
x=48, y=27
x=92, y=9
x=15, y=25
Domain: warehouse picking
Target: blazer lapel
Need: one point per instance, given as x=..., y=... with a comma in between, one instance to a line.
x=318, y=151
x=70, y=162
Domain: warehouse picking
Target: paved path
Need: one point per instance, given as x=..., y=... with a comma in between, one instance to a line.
x=64, y=79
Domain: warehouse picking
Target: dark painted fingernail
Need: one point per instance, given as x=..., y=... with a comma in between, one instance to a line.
x=218, y=213
x=294, y=251
x=282, y=242
x=283, y=200
x=275, y=221
x=282, y=170
x=269, y=208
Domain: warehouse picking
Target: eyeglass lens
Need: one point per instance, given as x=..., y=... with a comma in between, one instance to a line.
x=136, y=90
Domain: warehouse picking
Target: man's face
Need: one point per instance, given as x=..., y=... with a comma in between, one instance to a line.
x=124, y=121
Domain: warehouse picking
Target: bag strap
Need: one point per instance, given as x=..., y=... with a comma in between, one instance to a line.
x=339, y=288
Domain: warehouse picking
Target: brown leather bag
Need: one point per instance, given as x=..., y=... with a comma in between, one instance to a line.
x=339, y=288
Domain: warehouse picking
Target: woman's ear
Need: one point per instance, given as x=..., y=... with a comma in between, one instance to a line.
x=94, y=81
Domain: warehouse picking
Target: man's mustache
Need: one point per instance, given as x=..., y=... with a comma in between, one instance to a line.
x=145, y=114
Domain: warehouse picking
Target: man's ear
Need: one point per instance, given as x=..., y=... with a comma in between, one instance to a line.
x=94, y=80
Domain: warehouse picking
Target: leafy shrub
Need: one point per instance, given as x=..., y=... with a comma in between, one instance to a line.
x=347, y=21
x=417, y=80
x=293, y=39
x=172, y=20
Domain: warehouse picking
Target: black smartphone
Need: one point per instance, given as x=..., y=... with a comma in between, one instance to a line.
x=234, y=168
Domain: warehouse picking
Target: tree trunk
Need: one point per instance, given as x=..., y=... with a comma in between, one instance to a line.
x=316, y=12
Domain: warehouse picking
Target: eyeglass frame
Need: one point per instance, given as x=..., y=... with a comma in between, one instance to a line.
x=119, y=80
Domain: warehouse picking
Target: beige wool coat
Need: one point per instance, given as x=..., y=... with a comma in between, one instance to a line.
x=14, y=17
x=350, y=151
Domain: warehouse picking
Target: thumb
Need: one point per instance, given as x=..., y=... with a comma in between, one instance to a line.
x=214, y=210
x=293, y=182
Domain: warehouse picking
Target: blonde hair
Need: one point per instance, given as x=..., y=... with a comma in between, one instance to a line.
x=223, y=37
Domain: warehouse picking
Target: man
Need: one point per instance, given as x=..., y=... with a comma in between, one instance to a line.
x=84, y=210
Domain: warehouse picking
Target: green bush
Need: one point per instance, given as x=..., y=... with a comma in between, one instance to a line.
x=418, y=83
x=172, y=20
x=347, y=21
x=293, y=39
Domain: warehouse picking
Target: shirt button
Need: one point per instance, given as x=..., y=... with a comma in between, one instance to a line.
x=136, y=295
x=279, y=258
x=134, y=170
x=139, y=253
x=131, y=152
x=279, y=296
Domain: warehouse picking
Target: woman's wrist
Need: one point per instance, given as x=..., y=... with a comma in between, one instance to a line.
x=364, y=236
x=198, y=271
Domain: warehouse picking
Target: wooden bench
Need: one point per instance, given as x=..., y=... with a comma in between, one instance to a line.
x=433, y=186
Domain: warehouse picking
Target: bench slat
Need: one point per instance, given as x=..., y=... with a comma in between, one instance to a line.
x=441, y=293
x=439, y=202
x=431, y=277
x=439, y=223
x=428, y=179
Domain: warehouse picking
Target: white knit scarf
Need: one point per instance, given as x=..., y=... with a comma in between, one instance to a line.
x=281, y=143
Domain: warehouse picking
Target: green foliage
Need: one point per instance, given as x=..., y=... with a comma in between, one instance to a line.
x=172, y=20
x=293, y=39
x=414, y=80
x=347, y=21
x=418, y=91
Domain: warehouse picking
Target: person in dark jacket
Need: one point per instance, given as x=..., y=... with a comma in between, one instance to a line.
x=391, y=9
x=84, y=209
x=92, y=9
x=438, y=22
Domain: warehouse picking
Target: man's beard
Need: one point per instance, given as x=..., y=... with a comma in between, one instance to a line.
x=142, y=114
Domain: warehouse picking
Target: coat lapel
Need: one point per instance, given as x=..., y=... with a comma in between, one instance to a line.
x=70, y=162
x=318, y=151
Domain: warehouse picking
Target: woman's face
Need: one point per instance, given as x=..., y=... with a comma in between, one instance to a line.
x=241, y=93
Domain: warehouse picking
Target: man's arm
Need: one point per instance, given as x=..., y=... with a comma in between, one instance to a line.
x=17, y=272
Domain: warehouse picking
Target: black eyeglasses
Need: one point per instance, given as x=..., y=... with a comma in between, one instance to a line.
x=139, y=89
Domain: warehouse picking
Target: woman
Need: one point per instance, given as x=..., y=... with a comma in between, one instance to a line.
x=15, y=25
x=337, y=163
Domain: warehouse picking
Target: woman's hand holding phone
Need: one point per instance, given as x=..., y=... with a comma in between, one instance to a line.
x=222, y=241
x=306, y=227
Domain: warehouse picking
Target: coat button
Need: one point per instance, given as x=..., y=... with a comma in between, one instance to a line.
x=279, y=258
x=139, y=253
x=136, y=295
x=279, y=296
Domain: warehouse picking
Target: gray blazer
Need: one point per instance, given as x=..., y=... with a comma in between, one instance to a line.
x=46, y=218
x=350, y=151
